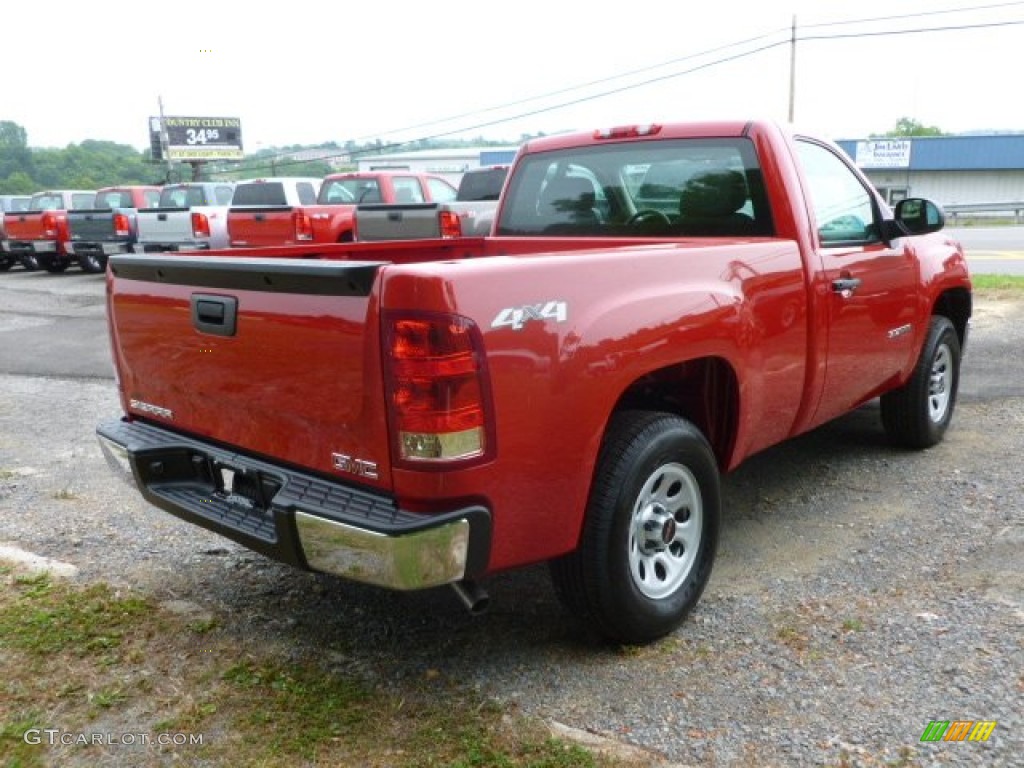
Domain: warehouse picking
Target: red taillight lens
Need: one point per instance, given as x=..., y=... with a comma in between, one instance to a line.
x=451, y=225
x=49, y=222
x=303, y=226
x=200, y=225
x=437, y=388
x=122, y=226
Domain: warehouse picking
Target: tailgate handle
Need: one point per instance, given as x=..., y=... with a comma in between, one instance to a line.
x=161, y=217
x=217, y=315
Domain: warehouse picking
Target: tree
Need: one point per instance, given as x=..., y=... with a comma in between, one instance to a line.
x=18, y=183
x=14, y=152
x=908, y=126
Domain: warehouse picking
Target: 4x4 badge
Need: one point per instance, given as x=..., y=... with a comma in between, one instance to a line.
x=516, y=317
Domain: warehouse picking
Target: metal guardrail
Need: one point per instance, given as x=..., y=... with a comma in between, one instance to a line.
x=955, y=209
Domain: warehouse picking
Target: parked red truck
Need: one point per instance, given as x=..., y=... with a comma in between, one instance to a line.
x=39, y=236
x=331, y=219
x=657, y=304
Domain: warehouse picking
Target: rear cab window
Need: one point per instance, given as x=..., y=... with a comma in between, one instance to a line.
x=260, y=193
x=658, y=188
x=350, y=191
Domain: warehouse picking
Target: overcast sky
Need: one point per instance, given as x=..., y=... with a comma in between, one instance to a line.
x=311, y=71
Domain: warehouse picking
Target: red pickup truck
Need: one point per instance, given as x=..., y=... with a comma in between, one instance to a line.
x=656, y=304
x=39, y=236
x=331, y=219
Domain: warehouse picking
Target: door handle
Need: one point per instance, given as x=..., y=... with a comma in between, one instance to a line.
x=217, y=315
x=845, y=286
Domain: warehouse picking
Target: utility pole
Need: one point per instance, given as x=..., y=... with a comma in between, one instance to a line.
x=164, y=139
x=792, y=72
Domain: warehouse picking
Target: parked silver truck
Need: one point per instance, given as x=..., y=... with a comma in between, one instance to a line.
x=191, y=216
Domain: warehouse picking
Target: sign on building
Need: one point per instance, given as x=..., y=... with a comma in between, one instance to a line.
x=883, y=153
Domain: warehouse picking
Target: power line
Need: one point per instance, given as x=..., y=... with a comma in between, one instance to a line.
x=883, y=33
x=675, y=74
x=780, y=31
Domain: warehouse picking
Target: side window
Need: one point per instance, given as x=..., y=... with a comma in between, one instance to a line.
x=842, y=205
x=152, y=198
x=193, y=196
x=440, y=191
x=307, y=195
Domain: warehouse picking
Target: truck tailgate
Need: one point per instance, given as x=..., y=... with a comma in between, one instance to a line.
x=24, y=226
x=252, y=226
x=267, y=356
x=159, y=225
x=89, y=226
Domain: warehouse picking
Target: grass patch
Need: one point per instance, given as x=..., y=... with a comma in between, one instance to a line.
x=90, y=661
x=998, y=286
x=853, y=625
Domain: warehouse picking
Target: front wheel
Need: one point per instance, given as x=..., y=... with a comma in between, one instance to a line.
x=30, y=262
x=917, y=414
x=650, y=533
x=56, y=266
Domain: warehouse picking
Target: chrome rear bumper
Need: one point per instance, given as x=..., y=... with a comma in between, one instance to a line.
x=298, y=518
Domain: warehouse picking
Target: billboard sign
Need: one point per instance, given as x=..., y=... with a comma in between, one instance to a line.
x=200, y=138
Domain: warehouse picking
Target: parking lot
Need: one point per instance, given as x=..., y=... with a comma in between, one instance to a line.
x=860, y=592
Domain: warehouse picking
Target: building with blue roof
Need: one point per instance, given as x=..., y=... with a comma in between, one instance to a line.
x=952, y=170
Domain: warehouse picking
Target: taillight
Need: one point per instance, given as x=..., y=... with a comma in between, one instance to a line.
x=437, y=389
x=451, y=225
x=303, y=226
x=49, y=225
x=122, y=226
x=200, y=225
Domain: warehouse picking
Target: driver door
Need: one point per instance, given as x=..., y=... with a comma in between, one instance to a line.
x=870, y=287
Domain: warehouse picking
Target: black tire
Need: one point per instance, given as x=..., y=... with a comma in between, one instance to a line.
x=650, y=533
x=56, y=266
x=30, y=262
x=917, y=414
x=6, y=264
x=92, y=263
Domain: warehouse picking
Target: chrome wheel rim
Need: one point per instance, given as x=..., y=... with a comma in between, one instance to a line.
x=940, y=384
x=665, y=531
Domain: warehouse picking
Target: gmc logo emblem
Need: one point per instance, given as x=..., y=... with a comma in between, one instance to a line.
x=353, y=466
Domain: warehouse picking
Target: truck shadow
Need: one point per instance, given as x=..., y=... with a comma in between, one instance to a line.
x=403, y=634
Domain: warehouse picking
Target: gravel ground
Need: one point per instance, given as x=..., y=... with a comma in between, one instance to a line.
x=860, y=591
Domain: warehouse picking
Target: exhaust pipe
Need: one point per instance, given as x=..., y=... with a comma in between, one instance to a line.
x=472, y=595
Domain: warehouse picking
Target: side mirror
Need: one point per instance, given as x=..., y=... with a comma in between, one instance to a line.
x=914, y=216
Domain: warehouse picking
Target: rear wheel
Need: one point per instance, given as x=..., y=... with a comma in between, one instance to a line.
x=57, y=266
x=30, y=262
x=91, y=262
x=651, y=530
x=917, y=414
x=6, y=264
